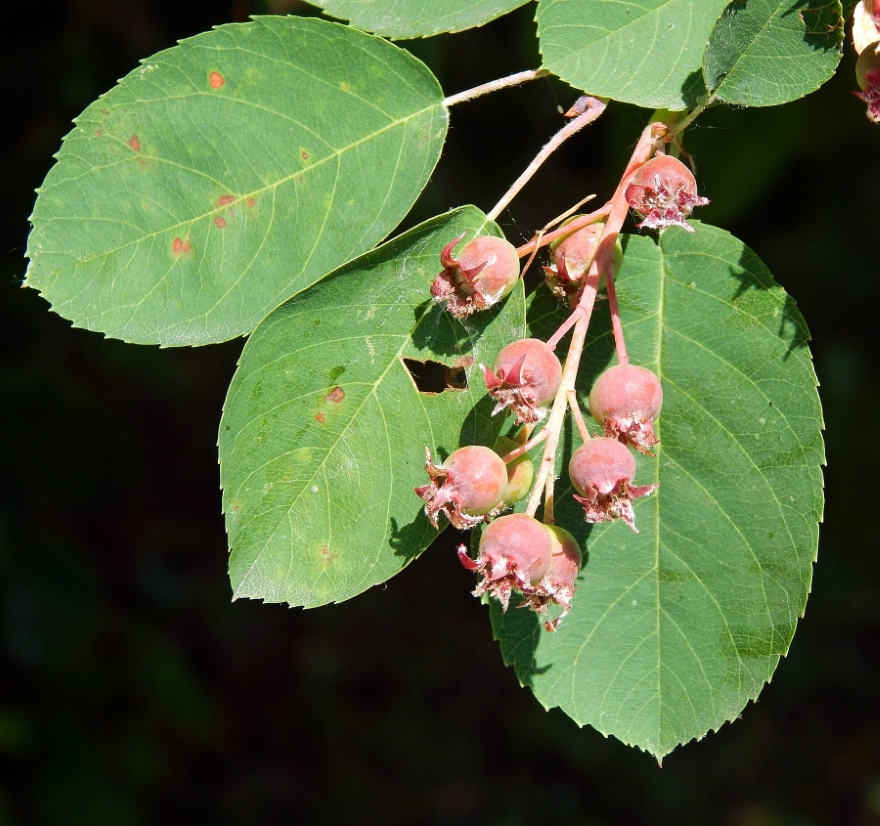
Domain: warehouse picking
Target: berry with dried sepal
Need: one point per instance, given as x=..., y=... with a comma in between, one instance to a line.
x=626, y=400
x=514, y=555
x=520, y=471
x=602, y=472
x=525, y=378
x=466, y=487
x=868, y=78
x=483, y=274
x=664, y=192
x=558, y=585
x=570, y=258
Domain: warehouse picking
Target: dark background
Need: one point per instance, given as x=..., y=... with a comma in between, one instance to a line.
x=132, y=691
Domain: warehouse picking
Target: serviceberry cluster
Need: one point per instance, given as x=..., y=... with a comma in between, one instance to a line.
x=475, y=485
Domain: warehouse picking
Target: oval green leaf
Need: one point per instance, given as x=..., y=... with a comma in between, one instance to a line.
x=767, y=52
x=647, y=52
x=417, y=18
x=674, y=629
x=323, y=434
x=228, y=173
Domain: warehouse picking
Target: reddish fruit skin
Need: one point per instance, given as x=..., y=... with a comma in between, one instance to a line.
x=664, y=192
x=571, y=257
x=466, y=487
x=526, y=377
x=515, y=552
x=558, y=585
x=626, y=399
x=520, y=472
x=602, y=472
x=868, y=77
x=481, y=276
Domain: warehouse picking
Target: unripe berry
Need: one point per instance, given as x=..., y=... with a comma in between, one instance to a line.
x=466, y=487
x=558, y=585
x=520, y=472
x=483, y=274
x=602, y=472
x=868, y=77
x=663, y=192
x=570, y=258
x=626, y=400
x=514, y=554
x=865, y=26
x=526, y=377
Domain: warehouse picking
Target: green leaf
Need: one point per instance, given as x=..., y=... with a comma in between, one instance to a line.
x=767, y=52
x=647, y=52
x=417, y=18
x=228, y=173
x=323, y=434
x=674, y=629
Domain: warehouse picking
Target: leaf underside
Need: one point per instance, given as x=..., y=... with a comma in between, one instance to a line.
x=323, y=435
x=768, y=52
x=674, y=629
x=228, y=173
x=417, y=18
x=647, y=52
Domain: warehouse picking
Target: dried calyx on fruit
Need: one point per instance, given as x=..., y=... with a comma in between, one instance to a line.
x=868, y=78
x=525, y=377
x=514, y=555
x=557, y=586
x=663, y=192
x=483, y=274
x=626, y=400
x=520, y=471
x=570, y=258
x=602, y=472
x=467, y=487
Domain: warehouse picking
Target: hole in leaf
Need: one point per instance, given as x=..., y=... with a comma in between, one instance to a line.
x=435, y=377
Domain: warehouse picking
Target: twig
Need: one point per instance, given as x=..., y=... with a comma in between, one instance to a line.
x=494, y=86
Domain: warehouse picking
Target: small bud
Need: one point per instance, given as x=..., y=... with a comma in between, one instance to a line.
x=602, y=472
x=526, y=377
x=663, y=192
x=466, y=487
x=868, y=78
x=485, y=272
x=570, y=258
x=514, y=554
x=626, y=400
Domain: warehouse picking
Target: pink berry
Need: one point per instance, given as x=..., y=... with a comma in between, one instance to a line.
x=481, y=276
x=526, y=377
x=865, y=25
x=558, y=584
x=626, y=400
x=571, y=257
x=520, y=472
x=664, y=192
x=868, y=77
x=602, y=472
x=466, y=487
x=514, y=554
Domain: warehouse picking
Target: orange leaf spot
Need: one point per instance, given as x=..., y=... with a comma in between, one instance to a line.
x=216, y=80
x=179, y=245
x=320, y=418
x=336, y=395
x=225, y=200
x=220, y=222
x=134, y=143
x=251, y=203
